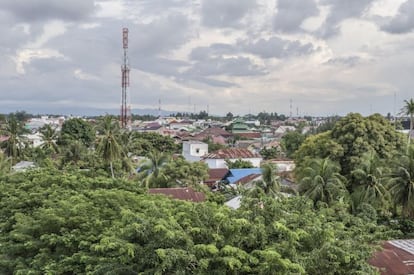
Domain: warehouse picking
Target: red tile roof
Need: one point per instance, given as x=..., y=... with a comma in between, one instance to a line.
x=395, y=257
x=232, y=153
x=186, y=194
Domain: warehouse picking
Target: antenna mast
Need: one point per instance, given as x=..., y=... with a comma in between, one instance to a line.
x=125, y=118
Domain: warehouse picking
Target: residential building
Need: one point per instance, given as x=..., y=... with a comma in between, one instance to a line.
x=218, y=158
x=194, y=150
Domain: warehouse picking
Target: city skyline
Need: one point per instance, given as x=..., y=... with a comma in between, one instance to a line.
x=327, y=57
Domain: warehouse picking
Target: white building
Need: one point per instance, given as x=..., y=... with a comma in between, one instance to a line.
x=218, y=159
x=194, y=150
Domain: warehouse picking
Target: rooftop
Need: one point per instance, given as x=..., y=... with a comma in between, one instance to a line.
x=395, y=257
x=232, y=153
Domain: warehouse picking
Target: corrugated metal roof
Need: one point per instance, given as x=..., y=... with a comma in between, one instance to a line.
x=248, y=178
x=395, y=257
x=187, y=193
x=237, y=174
x=217, y=174
x=232, y=153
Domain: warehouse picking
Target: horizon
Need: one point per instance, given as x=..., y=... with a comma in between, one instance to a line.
x=312, y=57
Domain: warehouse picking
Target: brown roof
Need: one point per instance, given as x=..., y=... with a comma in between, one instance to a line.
x=232, y=153
x=216, y=174
x=213, y=132
x=250, y=135
x=186, y=193
x=395, y=257
x=248, y=179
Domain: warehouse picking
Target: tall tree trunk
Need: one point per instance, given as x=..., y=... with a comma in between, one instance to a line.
x=411, y=129
x=112, y=169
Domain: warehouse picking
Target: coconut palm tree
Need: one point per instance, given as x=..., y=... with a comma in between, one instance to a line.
x=369, y=181
x=49, y=137
x=401, y=182
x=108, y=146
x=321, y=181
x=151, y=170
x=5, y=164
x=14, y=145
x=408, y=110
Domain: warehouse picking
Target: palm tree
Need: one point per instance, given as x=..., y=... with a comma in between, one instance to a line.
x=401, y=182
x=14, y=144
x=49, y=137
x=75, y=152
x=270, y=183
x=408, y=110
x=151, y=170
x=369, y=181
x=5, y=164
x=321, y=181
x=108, y=146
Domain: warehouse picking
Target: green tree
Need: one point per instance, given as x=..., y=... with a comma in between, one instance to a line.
x=108, y=146
x=79, y=130
x=5, y=164
x=14, y=145
x=270, y=182
x=358, y=135
x=151, y=170
x=49, y=137
x=270, y=153
x=321, y=181
x=182, y=172
x=291, y=142
x=74, y=153
x=238, y=163
x=369, y=183
x=408, y=110
x=144, y=143
x=401, y=182
x=350, y=138
x=64, y=222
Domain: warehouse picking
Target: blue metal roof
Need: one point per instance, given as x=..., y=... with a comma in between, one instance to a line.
x=237, y=174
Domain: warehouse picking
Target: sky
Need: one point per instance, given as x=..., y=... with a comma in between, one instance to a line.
x=305, y=57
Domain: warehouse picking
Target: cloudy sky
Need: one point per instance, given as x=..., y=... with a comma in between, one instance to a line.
x=325, y=56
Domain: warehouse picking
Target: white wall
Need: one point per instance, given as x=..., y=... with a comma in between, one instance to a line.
x=193, y=151
x=221, y=163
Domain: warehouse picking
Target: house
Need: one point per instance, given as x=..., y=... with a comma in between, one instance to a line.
x=35, y=140
x=281, y=130
x=22, y=166
x=215, y=134
x=239, y=126
x=284, y=165
x=234, y=203
x=218, y=158
x=185, y=193
x=243, y=175
x=215, y=176
x=395, y=257
x=194, y=150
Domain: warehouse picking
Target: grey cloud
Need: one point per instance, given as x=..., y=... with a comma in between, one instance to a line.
x=42, y=10
x=234, y=66
x=349, y=61
x=202, y=53
x=276, y=47
x=161, y=35
x=228, y=13
x=291, y=13
x=339, y=11
x=403, y=22
x=213, y=82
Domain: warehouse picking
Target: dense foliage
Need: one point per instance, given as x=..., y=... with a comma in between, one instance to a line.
x=55, y=222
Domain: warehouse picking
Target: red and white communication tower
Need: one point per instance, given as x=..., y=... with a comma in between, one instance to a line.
x=125, y=118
